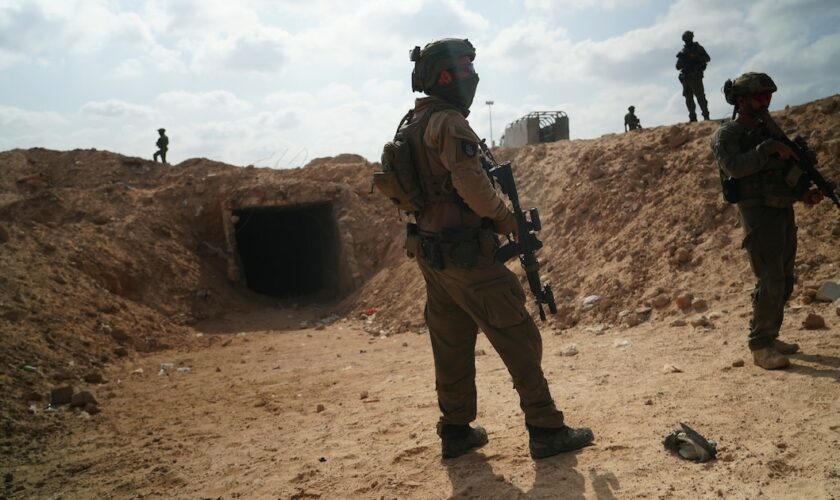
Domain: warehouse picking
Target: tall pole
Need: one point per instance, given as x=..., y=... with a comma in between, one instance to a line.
x=490, y=112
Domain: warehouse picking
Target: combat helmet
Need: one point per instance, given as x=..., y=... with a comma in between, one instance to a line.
x=746, y=84
x=688, y=36
x=631, y=108
x=435, y=57
x=161, y=130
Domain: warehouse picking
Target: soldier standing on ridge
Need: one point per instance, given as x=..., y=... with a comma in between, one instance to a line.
x=631, y=121
x=163, y=146
x=691, y=62
x=454, y=244
x=756, y=174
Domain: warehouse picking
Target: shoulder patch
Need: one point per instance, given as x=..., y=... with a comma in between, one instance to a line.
x=469, y=148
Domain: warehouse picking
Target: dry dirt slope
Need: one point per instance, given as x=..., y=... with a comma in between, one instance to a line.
x=106, y=256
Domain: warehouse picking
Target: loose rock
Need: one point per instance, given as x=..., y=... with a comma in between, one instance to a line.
x=738, y=363
x=571, y=350
x=661, y=300
x=319, y=408
x=671, y=369
x=813, y=322
x=828, y=292
x=81, y=399
x=61, y=395
x=684, y=300
x=93, y=377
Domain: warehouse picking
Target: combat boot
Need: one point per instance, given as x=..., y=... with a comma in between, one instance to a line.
x=706, y=115
x=784, y=347
x=545, y=442
x=455, y=440
x=770, y=359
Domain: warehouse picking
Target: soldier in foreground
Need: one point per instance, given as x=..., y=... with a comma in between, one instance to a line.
x=163, y=146
x=631, y=121
x=691, y=63
x=454, y=244
x=759, y=173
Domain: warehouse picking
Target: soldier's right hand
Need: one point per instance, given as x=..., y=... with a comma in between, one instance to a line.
x=782, y=150
x=507, y=226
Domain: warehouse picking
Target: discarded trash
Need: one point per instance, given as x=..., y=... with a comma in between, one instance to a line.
x=167, y=366
x=690, y=445
x=184, y=369
x=669, y=368
x=590, y=302
x=370, y=311
x=29, y=368
x=621, y=343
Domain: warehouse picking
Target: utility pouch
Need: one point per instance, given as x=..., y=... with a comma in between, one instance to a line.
x=430, y=251
x=793, y=176
x=730, y=190
x=730, y=187
x=398, y=179
x=413, y=241
x=465, y=254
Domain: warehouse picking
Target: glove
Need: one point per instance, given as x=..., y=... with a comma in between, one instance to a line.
x=812, y=197
x=782, y=150
x=507, y=226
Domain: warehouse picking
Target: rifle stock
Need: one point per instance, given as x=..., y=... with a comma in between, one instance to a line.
x=528, y=244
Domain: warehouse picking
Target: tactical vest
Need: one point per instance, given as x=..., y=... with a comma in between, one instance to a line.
x=779, y=186
x=406, y=177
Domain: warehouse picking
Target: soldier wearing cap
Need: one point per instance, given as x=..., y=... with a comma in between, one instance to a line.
x=631, y=121
x=454, y=244
x=691, y=63
x=163, y=146
x=757, y=173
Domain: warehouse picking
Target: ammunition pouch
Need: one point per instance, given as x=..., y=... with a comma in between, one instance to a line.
x=731, y=193
x=458, y=248
x=776, y=187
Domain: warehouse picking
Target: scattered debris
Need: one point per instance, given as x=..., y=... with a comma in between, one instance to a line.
x=590, y=302
x=671, y=369
x=688, y=444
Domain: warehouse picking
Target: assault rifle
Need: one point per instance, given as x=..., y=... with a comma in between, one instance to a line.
x=528, y=244
x=807, y=159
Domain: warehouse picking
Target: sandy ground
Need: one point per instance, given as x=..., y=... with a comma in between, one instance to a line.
x=338, y=413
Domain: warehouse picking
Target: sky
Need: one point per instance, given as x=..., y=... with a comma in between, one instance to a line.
x=279, y=83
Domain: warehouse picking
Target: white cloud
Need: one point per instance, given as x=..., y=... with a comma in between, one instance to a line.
x=13, y=118
x=214, y=100
x=130, y=68
x=115, y=108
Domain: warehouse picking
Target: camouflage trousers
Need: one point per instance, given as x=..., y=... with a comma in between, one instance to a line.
x=770, y=241
x=460, y=301
x=693, y=88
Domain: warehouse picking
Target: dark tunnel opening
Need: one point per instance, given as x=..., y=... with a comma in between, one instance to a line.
x=289, y=251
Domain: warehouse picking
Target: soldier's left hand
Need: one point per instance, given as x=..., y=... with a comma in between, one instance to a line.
x=813, y=197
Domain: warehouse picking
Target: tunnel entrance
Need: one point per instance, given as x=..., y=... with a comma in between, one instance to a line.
x=289, y=251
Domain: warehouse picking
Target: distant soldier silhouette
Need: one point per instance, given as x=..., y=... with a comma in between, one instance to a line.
x=163, y=146
x=631, y=121
x=691, y=62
